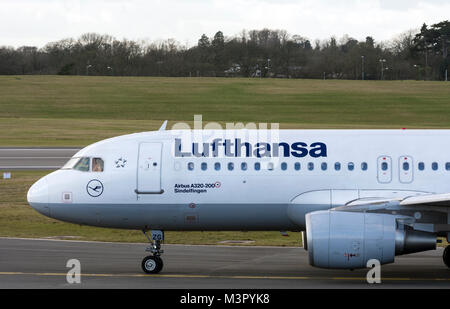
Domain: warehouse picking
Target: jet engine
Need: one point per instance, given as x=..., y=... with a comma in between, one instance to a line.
x=339, y=239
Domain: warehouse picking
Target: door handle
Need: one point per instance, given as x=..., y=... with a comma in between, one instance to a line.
x=149, y=192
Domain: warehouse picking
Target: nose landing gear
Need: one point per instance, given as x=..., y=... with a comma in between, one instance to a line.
x=153, y=264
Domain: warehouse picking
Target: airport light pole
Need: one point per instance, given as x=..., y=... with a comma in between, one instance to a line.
x=382, y=61
x=362, y=66
x=418, y=70
x=159, y=67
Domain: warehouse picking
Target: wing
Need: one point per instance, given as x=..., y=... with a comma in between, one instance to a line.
x=438, y=200
x=431, y=200
x=427, y=212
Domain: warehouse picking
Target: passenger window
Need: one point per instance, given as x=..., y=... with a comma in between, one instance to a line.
x=310, y=166
x=351, y=166
x=243, y=166
x=434, y=166
x=230, y=166
x=191, y=166
x=421, y=166
x=447, y=166
x=364, y=166
x=257, y=166
x=384, y=166
x=284, y=166
x=324, y=166
x=337, y=166
x=270, y=166
x=297, y=166
x=82, y=165
x=405, y=166
x=217, y=166
x=204, y=166
x=97, y=165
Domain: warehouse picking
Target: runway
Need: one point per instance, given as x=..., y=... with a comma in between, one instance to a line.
x=27, y=263
x=27, y=158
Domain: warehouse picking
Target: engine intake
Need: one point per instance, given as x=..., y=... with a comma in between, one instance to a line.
x=338, y=239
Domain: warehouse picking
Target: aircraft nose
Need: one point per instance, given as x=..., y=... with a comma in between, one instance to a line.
x=38, y=196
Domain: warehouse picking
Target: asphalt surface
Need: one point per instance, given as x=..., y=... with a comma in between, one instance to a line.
x=26, y=263
x=34, y=158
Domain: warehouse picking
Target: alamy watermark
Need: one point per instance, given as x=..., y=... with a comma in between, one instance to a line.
x=211, y=139
x=74, y=274
x=374, y=274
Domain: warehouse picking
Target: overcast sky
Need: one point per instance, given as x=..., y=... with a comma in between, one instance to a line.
x=37, y=22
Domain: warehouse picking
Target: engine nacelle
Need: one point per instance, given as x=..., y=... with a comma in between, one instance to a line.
x=338, y=239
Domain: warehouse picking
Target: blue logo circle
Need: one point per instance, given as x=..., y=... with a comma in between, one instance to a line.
x=94, y=188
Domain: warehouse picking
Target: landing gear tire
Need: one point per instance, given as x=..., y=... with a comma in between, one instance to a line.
x=152, y=264
x=446, y=256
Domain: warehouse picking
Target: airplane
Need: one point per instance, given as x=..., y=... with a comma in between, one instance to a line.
x=356, y=195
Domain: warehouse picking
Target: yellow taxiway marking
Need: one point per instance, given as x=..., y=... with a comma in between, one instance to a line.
x=222, y=277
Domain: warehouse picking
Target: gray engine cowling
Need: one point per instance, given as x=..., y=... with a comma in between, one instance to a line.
x=338, y=239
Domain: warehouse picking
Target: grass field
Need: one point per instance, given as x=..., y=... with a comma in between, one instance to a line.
x=76, y=111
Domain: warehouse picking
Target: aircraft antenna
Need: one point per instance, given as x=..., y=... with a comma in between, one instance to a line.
x=163, y=127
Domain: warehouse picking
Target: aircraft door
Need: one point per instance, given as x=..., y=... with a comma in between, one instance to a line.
x=149, y=168
x=405, y=166
x=384, y=169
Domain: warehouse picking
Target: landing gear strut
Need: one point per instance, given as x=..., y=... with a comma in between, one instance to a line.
x=446, y=256
x=153, y=264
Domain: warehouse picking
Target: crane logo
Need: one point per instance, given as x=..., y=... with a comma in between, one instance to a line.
x=94, y=188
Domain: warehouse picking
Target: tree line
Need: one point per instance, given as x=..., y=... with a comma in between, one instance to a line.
x=256, y=53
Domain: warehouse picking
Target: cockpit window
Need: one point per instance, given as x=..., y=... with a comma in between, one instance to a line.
x=71, y=163
x=97, y=165
x=82, y=165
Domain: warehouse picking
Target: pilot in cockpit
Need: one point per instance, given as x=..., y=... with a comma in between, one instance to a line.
x=97, y=165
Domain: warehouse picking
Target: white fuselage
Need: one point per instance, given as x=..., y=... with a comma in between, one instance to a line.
x=159, y=180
